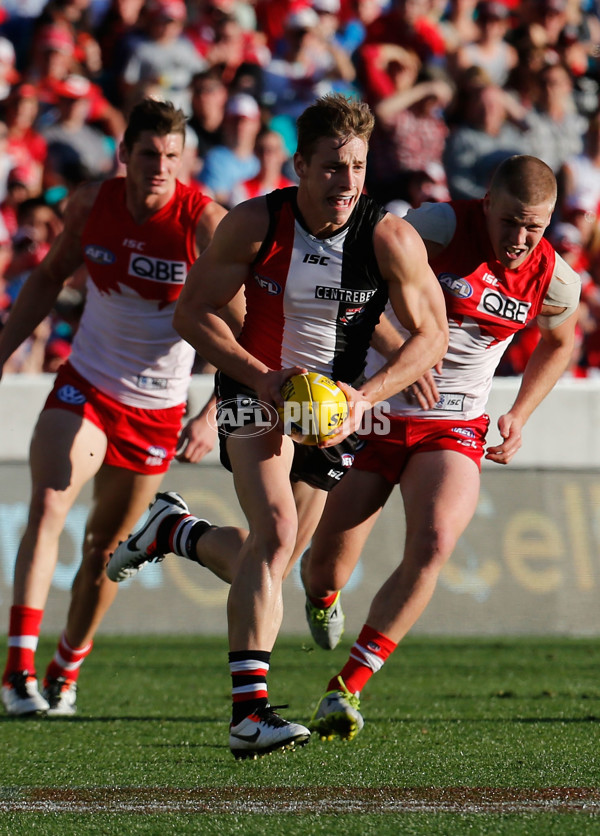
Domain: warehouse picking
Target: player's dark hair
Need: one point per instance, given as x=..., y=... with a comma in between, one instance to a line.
x=336, y=116
x=160, y=118
x=527, y=178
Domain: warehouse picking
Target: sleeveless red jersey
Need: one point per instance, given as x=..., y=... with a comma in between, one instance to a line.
x=126, y=344
x=486, y=305
x=476, y=285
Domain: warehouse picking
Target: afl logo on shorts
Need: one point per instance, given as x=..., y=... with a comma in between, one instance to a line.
x=455, y=285
x=156, y=456
x=99, y=255
x=69, y=394
x=347, y=459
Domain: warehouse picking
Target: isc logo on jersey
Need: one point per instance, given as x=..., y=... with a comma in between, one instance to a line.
x=496, y=304
x=157, y=269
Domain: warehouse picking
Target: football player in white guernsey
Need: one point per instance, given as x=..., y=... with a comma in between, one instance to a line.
x=498, y=272
x=317, y=263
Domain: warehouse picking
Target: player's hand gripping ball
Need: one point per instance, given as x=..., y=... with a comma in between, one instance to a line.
x=314, y=407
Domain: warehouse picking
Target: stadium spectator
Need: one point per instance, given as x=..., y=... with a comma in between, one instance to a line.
x=18, y=19
x=191, y=164
x=272, y=156
x=71, y=141
x=164, y=57
x=230, y=50
x=5, y=259
x=37, y=227
x=234, y=161
x=307, y=64
x=208, y=99
x=8, y=72
x=555, y=128
x=457, y=24
x=406, y=25
x=354, y=18
x=55, y=62
x=481, y=135
x=7, y=161
x=522, y=82
x=410, y=131
x=347, y=231
x=580, y=174
x=489, y=49
x=74, y=18
x=271, y=17
x=120, y=28
x=417, y=187
x=26, y=145
x=17, y=191
x=127, y=374
x=53, y=57
x=434, y=447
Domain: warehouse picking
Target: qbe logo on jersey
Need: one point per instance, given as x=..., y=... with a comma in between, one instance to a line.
x=496, y=304
x=157, y=269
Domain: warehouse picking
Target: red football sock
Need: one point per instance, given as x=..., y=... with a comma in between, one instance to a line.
x=67, y=660
x=367, y=656
x=23, y=634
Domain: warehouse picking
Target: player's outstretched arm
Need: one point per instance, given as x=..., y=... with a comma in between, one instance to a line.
x=547, y=363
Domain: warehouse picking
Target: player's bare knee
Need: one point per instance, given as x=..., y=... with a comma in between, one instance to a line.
x=276, y=536
x=48, y=508
x=432, y=547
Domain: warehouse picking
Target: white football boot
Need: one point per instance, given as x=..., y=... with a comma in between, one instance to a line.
x=140, y=548
x=265, y=731
x=21, y=697
x=61, y=695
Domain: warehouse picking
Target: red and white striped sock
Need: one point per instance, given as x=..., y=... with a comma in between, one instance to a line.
x=67, y=660
x=248, y=670
x=367, y=656
x=23, y=634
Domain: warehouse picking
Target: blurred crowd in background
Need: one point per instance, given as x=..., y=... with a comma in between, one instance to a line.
x=455, y=85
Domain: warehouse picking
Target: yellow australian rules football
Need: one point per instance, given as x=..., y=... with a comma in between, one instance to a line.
x=314, y=407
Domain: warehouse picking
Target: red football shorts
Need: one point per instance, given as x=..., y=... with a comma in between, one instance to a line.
x=142, y=440
x=388, y=454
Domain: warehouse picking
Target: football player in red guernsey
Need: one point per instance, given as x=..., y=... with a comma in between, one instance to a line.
x=317, y=263
x=498, y=273
x=114, y=414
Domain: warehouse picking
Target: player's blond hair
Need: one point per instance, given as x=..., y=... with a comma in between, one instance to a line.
x=334, y=115
x=527, y=178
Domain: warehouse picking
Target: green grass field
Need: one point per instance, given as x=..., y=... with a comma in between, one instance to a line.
x=462, y=736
